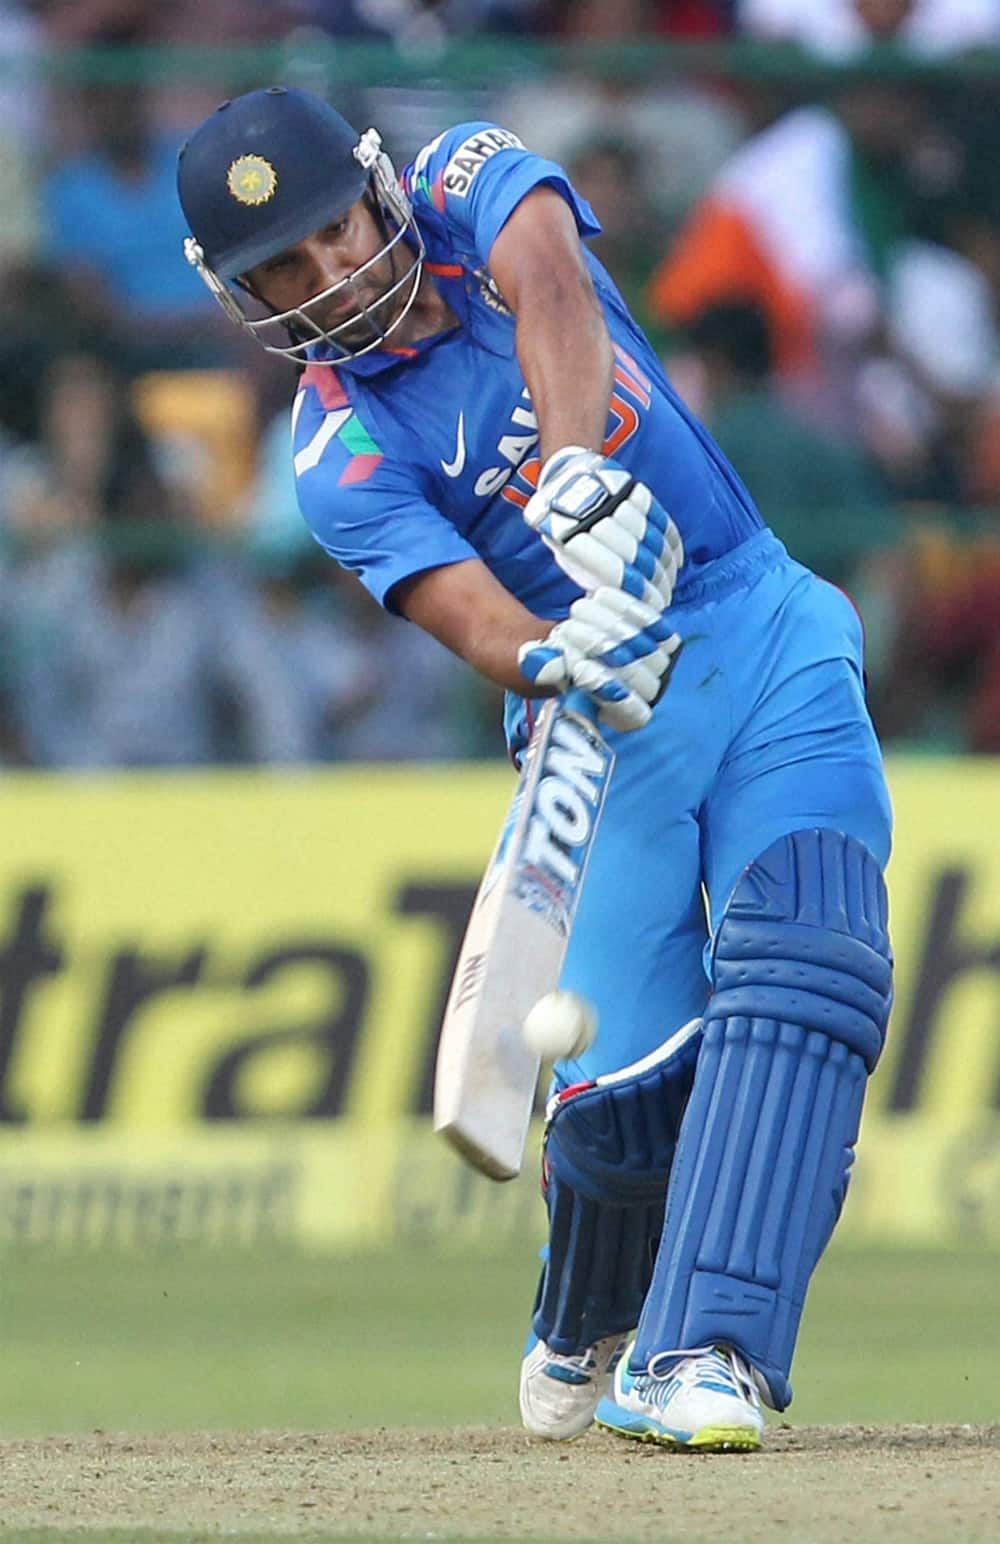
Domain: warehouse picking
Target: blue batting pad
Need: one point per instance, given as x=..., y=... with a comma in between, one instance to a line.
x=608, y=1150
x=802, y=972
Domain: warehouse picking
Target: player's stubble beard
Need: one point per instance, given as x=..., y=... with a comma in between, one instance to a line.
x=371, y=292
x=368, y=294
x=428, y=313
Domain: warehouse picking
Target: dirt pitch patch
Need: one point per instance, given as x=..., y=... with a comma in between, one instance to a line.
x=811, y=1485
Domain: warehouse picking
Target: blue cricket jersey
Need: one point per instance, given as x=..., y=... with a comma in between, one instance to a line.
x=408, y=459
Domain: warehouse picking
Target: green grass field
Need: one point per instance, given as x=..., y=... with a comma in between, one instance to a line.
x=175, y=1342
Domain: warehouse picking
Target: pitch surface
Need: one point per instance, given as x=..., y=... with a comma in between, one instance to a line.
x=823, y=1485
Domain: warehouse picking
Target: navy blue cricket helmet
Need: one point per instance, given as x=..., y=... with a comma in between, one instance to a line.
x=262, y=173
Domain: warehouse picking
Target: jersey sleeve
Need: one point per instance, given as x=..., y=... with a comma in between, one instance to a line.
x=475, y=175
x=366, y=509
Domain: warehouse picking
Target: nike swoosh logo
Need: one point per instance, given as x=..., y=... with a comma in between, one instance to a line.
x=455, y=468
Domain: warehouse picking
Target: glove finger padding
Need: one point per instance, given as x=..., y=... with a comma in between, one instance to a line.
x=617, y=705
x=614, y=613
x=613, y=646
x=612, y=557
x=630, y=630
x=615, y=651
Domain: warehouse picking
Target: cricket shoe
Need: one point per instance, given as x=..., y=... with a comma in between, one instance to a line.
x=706, y=1402
x=559, y=1394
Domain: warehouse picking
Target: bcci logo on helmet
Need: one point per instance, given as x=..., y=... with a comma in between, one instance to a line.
x=251, y=179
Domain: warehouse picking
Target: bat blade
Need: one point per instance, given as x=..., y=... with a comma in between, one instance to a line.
x=486, y=1076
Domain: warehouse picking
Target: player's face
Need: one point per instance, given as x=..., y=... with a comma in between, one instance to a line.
x=326, y=259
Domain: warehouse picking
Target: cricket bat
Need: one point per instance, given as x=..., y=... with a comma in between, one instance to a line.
x=512, y=954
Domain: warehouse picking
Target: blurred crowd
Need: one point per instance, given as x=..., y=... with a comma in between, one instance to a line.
x=814, y=251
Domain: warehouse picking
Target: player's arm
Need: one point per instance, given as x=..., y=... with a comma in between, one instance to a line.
x=563, y=345
x=464, y=607
x=604, y=527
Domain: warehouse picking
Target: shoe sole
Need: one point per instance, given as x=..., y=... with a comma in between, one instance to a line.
x=710, y=1439
x=550, y=1436
x=537, y=1436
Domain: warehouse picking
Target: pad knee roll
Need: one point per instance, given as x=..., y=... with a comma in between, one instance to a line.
x=795, y=1023
x=804, y=940
x=608, y=1150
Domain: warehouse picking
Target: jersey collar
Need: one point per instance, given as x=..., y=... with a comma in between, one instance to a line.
x=381, y=359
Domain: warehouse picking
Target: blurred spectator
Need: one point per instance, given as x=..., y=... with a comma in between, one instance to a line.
x=132, y=647
x=407, y=113
x=370, y=685
x=38, y=323
x=779, y=226
x=605, y=173
x=598, y=18
x=232, y=21
x=122, y=649
x=416, y=709
x=875, y=332
x=936, y=600
x=24, y=97
x=677, y=135
x=832, y=305
x=623, y=18
x=935, y=684
x=96, y=21
x=819, y=492
x=840, y=29
x=149, y=21
x=115, y=230
x=967, y=219
x=692, y=18
x=130, y=653
x=416, y=23
x=22, y=120
x=91, y=461
x=325, y=678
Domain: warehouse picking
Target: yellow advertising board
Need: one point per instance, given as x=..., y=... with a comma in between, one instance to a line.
x=345, y=1185
x=943, y=1052
x=227, y=947
x=219, y=995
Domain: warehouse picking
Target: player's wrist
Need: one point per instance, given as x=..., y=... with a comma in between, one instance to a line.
x=561, y=458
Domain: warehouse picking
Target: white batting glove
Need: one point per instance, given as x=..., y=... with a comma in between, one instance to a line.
x=604, y=527
x=614, y=647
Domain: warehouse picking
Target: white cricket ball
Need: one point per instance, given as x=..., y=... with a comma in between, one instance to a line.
x=560, y=1024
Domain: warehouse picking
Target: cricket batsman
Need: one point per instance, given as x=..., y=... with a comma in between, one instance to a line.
x=483, y=434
